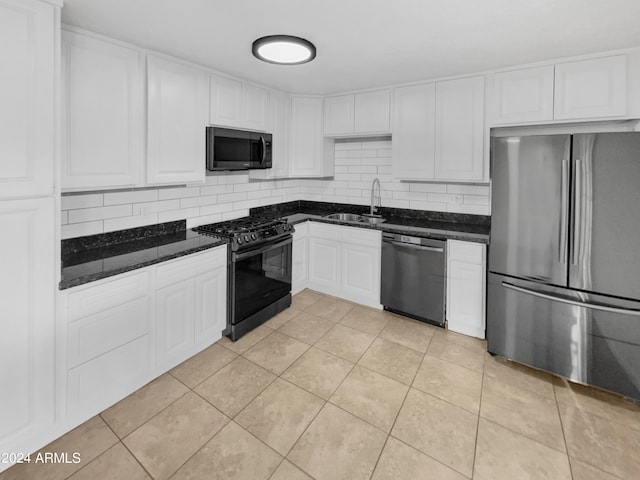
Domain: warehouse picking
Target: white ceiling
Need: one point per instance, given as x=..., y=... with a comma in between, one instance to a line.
x=365, y=43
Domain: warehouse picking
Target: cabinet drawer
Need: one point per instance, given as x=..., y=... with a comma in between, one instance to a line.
x=467, y=252
x=361, y=236
x=96, y=384
x=323, y=230
x=97, y=298
x=191, y=266
x=97, y=334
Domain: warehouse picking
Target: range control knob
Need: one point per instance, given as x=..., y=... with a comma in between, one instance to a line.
x=239, y=241
x=246, y=238
x=253, y=236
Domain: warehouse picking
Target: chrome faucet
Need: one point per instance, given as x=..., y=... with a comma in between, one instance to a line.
x=376, y=201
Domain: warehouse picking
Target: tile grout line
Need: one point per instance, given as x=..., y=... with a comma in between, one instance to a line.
x=564, y=436
x=475, y=444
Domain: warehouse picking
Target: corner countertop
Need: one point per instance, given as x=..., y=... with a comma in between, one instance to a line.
x=87, y=259
x=438, y=225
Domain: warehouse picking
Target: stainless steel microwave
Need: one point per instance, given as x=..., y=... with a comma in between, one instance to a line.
x=230, y=149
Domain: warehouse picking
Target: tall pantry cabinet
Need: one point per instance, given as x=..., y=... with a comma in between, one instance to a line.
x=29, y=54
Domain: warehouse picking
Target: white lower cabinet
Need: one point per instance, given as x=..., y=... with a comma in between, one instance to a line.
x=119, y=333
x=300, y=254
x=345, y=262
x=466, y=287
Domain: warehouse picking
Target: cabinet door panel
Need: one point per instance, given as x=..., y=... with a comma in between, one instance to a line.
x=27, y=116
x=591, y=88
x=466, y=287
x=175, y=310
x=211, y=305
x=27, y=279
x=256, y=107
x=414, y=132
x=324, y=263
x=372, y=112
x=103, y=113
x=225, y=101
x=361, y=271
x=523, y=95
x=306, y=137
x=459, y=129
x=97, y=384
x=177, y=117
x=338, y=115
x=300, y=269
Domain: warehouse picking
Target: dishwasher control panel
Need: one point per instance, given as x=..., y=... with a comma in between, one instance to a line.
x=408, y=239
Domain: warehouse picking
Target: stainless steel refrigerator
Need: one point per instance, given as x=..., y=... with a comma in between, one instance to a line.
x=564, y=256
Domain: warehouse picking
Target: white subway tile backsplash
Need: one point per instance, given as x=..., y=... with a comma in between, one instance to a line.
x=447, y=198
x=81, y=229
x=348, y=161
x=198, y=201
x=373, y=145
x=203, y=220
x=232, y=197
x=71, y=202
x=232, y=215
x=475, y=199
x=246, y=187
x=428, y=187
x=384, y=153
x=181, y=214
x=122, y=223
x=348, y=145
x=216, y=189
x=153, y=207
x=355, y=153
x=184, y=192
x=468, y=189
x=419, y=205
x=363, y=169
x=218, y=208
x=410, y=196
x=99, y=213
x=64, y=217
x=119, y=198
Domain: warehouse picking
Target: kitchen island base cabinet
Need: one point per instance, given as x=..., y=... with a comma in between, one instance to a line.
x=466, y=287
x=119, y=333
x=345, y=262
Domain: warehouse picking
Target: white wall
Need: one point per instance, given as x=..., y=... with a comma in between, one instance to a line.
x=231, y=194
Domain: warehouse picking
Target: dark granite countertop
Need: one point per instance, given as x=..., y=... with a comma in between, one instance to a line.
x=439, y=225
x=87, y=259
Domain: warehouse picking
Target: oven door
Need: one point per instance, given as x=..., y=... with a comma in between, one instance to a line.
x=259, y=277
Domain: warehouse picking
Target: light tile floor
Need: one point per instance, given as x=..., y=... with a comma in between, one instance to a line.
x=333, y=390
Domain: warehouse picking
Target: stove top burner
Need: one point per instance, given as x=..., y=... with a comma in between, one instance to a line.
x=248, y=231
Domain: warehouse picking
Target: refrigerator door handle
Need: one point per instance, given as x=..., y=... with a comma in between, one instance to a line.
x=577, y=209
x=604, y=308
x=564, y=220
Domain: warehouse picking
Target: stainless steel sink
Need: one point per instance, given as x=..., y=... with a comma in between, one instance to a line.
x=353, y=217
x=345, y=217
x=372, y=220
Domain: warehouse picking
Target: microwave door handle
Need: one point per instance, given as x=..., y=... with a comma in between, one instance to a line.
x=264, y=150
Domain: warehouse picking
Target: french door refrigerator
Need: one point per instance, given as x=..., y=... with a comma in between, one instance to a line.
x=564, y=258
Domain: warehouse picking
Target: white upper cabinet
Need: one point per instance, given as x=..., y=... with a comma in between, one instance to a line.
x=103, y=113
x=278, y=126
x=591, y=88
x=414, y=132
x=460, y=129
x=234, y=103
x=256, y=107
x=27, y=96
x=360, y=113
x=225, y=101
x=310, y=155
x=176, y=121
x=522, y=96
x=338, y=115
x=373, y=112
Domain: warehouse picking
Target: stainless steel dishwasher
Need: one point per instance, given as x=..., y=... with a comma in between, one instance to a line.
x=414, y=277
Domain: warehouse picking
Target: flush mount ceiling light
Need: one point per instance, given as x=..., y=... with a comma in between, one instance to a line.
x=283, y=50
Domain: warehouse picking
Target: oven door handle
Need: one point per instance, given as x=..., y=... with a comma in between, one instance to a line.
x=241, y=256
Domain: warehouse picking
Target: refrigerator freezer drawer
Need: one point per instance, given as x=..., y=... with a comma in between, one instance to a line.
x=587, y=338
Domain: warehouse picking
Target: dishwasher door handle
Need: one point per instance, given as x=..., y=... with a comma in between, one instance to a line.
x=415, y=247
